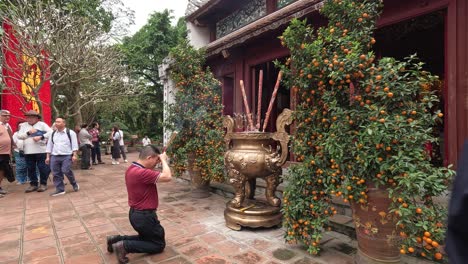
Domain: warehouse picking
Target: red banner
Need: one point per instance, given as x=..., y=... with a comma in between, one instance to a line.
x=21, y=75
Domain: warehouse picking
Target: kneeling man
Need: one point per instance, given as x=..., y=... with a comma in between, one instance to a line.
x=141, y=181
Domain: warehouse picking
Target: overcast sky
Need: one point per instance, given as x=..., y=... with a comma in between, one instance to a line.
x=143, y=8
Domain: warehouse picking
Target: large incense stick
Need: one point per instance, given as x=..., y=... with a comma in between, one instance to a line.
x=169, y=142
x=272, y=100
x=259, y=101
x=246, y=104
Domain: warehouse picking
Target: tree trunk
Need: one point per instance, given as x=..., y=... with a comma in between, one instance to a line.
x=78, y=118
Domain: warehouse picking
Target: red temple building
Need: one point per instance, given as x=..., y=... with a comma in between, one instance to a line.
x=241, y=38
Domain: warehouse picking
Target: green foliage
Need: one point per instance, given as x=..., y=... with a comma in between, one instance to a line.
x=143, y=52
x=360, y=124
x=196, y=114
x=91, y=9
x=139, y=113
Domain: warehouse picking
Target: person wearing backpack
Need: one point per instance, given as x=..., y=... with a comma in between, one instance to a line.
x=61, y=153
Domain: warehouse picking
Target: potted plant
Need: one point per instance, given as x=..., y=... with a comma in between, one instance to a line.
x=361, y=128
x=196, y=115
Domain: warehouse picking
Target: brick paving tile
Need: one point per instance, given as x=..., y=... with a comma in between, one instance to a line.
x=306, y=260
x=212, y=238
x=181, y=241
x=39, y=254
x=66, y=224
x=168, y=253
x=80, y=249
x=195, y=250
x=45, y=242
x=261, y=244
x=75, y=239
x=70, y=231
x=331, y=256
x=176, y=260
x=7, y=236
x=35, y=210
x=46, y=260
x=37, y=231
x=12, y=261
x=9, y=250
x=10, y=229
x=248, y=258
x=212, y=259
x=91, y=258
x=36, y=228
x=229, y=248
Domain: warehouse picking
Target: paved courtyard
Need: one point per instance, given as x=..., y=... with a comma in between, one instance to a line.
x=37, y=228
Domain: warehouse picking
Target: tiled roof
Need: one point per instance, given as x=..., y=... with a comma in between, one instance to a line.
x=193, y=6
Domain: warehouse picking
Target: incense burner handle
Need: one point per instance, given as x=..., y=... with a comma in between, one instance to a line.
x=228, y=123
x=283, y=120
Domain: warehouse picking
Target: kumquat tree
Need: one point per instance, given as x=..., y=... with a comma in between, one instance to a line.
x=361, y=123
x=196, y=115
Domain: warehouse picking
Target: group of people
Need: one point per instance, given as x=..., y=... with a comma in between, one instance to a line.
x=46, y=149
x=38, y=150
x=89, y=145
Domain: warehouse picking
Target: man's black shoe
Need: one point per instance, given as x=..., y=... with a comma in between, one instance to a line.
x=120, y=252
x=110, y=241
x=31, y=188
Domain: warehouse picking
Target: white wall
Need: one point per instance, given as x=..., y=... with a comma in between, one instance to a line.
x=169, y=93
x=199, y=36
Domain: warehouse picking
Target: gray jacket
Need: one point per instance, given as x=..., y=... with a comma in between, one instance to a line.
x=84, y=137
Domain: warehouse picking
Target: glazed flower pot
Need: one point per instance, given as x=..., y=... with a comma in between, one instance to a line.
x=375, y=229
x=200, y=188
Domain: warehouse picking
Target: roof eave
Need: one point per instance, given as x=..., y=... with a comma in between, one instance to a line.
x=267, y=23
x=202, y=10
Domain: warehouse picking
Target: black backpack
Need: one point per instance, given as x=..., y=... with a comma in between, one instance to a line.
x=68, y=134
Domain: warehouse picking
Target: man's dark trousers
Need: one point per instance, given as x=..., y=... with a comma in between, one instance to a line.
x=96, y=152
x=33, y=160
x=85, y=157
x=150, y=237
x=60, y=165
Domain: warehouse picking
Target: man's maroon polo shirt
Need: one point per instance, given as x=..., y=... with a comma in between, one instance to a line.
x=141, y=187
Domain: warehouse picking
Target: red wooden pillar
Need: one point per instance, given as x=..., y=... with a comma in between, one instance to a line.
x=456, y=129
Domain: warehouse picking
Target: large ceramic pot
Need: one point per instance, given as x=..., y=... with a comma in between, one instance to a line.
x=252, y=155
x=375, y=229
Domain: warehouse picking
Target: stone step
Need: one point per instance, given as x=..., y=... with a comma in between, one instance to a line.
x=343, y=224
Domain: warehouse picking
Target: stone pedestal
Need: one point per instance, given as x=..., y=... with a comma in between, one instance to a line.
x=253, y=213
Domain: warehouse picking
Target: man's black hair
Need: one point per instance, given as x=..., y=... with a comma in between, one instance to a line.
x=149, y=151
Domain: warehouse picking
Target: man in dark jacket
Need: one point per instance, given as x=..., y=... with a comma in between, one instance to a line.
x=457, y=231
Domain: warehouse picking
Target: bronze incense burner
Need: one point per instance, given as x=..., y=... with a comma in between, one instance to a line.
x=253, y=155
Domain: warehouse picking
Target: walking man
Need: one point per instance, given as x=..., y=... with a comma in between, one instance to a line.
x=141, y=181
x=35, y=134
x=61, y=153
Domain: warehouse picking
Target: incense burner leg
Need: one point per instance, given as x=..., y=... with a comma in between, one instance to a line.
x=250, y=188
x=238, y=181
x=272, y=182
